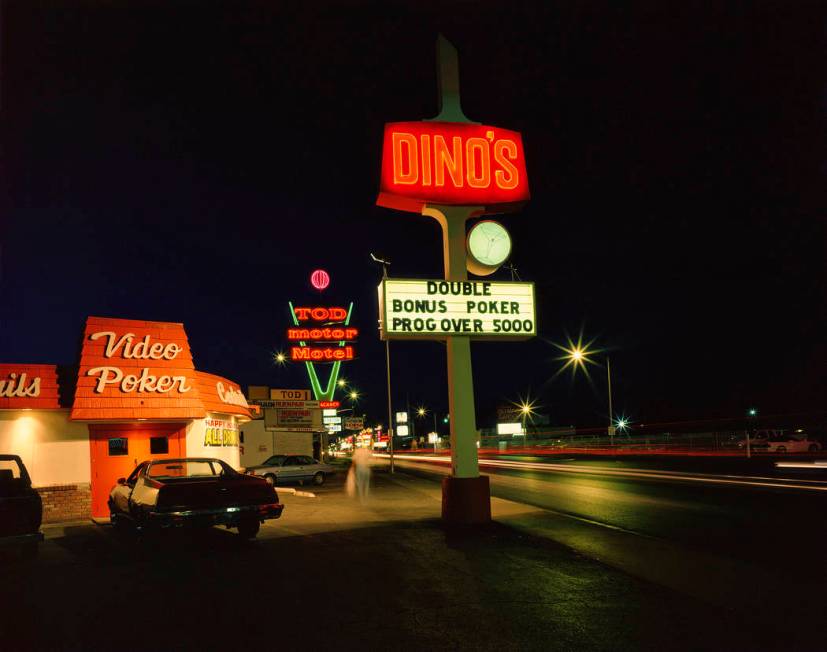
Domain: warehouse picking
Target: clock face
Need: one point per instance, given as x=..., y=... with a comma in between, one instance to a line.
x=489, y=243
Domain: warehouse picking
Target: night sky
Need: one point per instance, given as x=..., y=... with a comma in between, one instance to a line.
x=194, y=162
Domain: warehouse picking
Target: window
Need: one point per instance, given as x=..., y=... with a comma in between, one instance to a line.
x=158, y=445
x=183, y=469
x=275, y=460
x=293, y=461
x=241, y=437
x=118, y=446
x=307, y=460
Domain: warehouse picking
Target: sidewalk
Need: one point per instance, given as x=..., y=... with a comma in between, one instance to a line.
x=332, y=573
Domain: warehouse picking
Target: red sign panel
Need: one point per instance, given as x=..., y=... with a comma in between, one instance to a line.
x=29, y=386
x=218, y=394
x=452, y=163
x=136, y=370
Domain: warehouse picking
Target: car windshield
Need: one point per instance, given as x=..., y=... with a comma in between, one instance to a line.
x=9, y=470
x=275, y=460
x=184, y=469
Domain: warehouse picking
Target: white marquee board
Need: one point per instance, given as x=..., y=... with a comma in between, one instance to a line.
x=435, y=309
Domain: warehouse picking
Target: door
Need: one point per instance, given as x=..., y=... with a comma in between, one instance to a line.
x=118, y=448
x=291, y=470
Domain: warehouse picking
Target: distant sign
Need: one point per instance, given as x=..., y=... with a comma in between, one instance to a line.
x=290, y=394
x=433, y=309
x=293, y=419
x=401, y=417
x=354, y=423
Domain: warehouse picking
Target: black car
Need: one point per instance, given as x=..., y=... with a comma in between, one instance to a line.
x=21, y=510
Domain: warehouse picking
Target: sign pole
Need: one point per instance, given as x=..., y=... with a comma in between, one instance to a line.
x=465, y=494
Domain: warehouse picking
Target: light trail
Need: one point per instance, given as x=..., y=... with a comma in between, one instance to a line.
x=738, y=480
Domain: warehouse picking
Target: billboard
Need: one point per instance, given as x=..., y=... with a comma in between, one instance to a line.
x=431, y=309
x=295, y=419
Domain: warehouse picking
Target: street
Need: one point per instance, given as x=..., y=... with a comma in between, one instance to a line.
x=764, y=533
x=336, y=574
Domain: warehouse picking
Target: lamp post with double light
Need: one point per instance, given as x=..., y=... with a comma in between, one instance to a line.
x=578, y=355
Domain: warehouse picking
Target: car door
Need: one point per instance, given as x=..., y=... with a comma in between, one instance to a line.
x=309, y=467
x=292, y=470
x=122, y=492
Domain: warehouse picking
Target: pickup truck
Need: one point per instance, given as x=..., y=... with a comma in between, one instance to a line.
x=21, y=509
x=192, y=492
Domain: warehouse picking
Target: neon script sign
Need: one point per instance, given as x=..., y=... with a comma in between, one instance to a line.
x=452, y=163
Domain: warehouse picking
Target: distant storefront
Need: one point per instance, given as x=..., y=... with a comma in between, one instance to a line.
x=135, y=395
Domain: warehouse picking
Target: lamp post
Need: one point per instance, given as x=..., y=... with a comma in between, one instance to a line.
x=578, y=355
x=385, y=264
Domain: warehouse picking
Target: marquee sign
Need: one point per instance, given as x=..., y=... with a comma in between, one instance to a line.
x=452, y=163
x=433, y=309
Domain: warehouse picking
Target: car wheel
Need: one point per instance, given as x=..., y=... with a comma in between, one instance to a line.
x=318, y=479
x=271, y=479
x=813, y=448
x=248, y=528
x=781, y=449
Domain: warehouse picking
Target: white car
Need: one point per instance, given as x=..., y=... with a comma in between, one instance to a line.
x=280, y=469
x=792, y=443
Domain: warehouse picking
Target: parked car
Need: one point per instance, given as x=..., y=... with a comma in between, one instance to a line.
x=192, y=492
x=291, y=468
x=21, y=510
x=791, y=443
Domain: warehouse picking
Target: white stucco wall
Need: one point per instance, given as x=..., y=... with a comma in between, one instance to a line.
x=259, y=444
x=54, y=449
x=196, y=434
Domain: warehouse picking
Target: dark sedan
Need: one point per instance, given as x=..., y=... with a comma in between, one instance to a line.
x=192, y=492
x=21, y=509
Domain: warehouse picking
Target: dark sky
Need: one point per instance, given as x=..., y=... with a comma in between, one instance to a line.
x=195, y=161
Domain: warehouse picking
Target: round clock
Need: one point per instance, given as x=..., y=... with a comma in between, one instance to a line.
x=489, y=246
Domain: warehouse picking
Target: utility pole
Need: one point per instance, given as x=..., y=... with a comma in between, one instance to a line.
x=611, y=415
x=385, y=264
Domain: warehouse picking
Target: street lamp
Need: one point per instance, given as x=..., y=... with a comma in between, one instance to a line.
x=342, y=383
x=280, y=358
x=577, y=355
x=353, y=395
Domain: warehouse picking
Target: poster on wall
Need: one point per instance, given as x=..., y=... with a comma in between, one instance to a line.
x=220, y=432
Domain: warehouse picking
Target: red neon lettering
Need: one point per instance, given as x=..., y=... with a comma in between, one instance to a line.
x=320, y=314
x=399, y=159
x=444, y=161
x=329, y=405
x=478, y=163
x=509, y=176
x=322, y=334
x=453, y=164
x=321, y=354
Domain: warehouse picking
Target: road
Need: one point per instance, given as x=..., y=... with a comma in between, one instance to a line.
x=773, y=519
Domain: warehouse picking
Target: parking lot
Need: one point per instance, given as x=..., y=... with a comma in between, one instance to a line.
x=333, y=573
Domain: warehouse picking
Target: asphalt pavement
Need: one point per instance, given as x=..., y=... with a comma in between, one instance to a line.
x=338, y=574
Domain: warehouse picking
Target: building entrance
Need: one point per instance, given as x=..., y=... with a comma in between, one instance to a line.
x=117, y=448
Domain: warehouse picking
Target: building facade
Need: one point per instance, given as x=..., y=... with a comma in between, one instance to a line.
x=134, y=395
